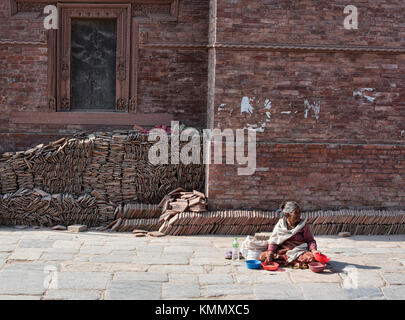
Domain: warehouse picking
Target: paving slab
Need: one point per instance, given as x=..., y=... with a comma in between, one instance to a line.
x=303, y=276
x=141, y=276
x=183, y=278
x=56, y=256
x=368, y=250
x=378, y=262
x=7, y=248
x=364, y=293
x=133, y=290
x=272, y=277
x=177, y=269
x=394, y=277
x=180, y=291
x=162, y=260
x=178, y=249
x=323, y=291
x=394, y=292
x=126, y=267
x=8, y=240
x=112, y=258
x=26, y=266
x=209, y=261
x=369, y=279
x=82, y=280
x=69, y=266
x=19, y=297
x=26, y=254
x=22, y=282
x=61, y=250
x=35, y=243
x=4, y=255
x=63, y=294
x=67, y=244
x=218, y=269
x=121, y=246
x=215, y=278
x=94, y=250
x=226, y=289
x=278, y=291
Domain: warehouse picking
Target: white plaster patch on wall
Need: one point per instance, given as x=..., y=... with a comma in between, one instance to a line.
x=245, y=105
x=255, y=127
x=221, y=107
x=315, y=107
x=267, y=104
x=286, y=112
x=402, y=133
x=363, y=93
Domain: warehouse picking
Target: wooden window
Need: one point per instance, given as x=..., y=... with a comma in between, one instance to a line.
x=81, y=18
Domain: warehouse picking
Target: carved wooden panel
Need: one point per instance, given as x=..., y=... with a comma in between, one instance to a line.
x=93, y=76
x=121, y=13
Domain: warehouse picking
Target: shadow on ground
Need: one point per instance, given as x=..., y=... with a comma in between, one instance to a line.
x=339, y=266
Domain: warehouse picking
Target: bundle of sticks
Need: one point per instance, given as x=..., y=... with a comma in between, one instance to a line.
x=37, y=207
x=133, y=216
x=111, y=166
x=179, y=200
x=235, y=222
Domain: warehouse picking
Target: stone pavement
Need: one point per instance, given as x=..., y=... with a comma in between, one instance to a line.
x=46, y=264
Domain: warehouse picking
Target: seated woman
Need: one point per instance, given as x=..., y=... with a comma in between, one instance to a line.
x=291, y=242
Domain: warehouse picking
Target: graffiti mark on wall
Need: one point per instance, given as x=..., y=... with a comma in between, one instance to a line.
x=314, y=107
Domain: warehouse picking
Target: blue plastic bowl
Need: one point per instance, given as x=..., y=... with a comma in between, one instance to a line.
x=253, y=264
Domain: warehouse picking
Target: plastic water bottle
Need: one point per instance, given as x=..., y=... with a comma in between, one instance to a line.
x=235, y=250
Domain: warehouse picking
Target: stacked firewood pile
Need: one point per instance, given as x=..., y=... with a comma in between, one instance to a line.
x=179, y=200
x=120, y=170
x=360, y=222
x=234, y=222
x=112, y=167
x=55, y=168
x=37, y=207
x=133, y=216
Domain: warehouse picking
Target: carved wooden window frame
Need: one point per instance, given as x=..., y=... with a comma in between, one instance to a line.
x=121, y=12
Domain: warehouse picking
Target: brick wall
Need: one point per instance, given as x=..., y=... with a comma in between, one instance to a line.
x=172, y=76
x=175, y=80
x=318, y=176
x=361, y=97
x=329, y=121
x=310, y=22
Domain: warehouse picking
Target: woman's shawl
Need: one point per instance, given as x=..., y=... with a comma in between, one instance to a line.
x=281, y=233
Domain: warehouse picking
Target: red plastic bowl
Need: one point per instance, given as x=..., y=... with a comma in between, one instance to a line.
x=321, y=257
x=272, y=266
x=316, y=267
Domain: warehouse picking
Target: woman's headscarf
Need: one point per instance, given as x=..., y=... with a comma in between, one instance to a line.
x=289, y=206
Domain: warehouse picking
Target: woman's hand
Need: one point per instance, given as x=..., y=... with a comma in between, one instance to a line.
x=266, y=256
